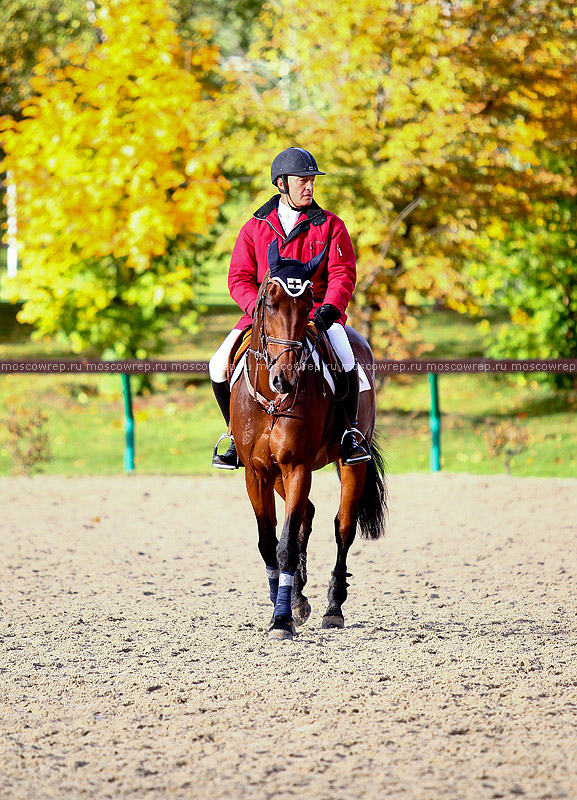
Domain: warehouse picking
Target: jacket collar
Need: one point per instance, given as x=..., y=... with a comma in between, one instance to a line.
x=314, y=212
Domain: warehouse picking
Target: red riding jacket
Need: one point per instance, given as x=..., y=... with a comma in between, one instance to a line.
x=333, y=281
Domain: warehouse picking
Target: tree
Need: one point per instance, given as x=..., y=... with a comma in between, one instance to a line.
x=116, y=162
x=526, y=264
x=28, y=26
x=424, y=101
x=231, y=22
x=528, y=269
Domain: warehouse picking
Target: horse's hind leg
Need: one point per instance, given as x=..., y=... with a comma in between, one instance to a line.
x=300, y=605
x=352, y=483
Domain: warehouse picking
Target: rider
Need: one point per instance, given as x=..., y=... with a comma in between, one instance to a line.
x=302, y=229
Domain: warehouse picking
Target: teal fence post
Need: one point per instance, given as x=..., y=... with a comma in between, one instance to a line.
x=435, y=423
x=128, y=424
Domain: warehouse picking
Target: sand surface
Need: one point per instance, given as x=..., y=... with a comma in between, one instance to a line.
x=134, y=659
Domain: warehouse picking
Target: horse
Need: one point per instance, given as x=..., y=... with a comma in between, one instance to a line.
x=286, y=424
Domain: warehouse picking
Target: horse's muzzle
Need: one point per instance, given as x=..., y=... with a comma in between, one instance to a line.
x=282, y=384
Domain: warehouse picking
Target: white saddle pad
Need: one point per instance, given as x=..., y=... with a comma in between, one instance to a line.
x=364, y=384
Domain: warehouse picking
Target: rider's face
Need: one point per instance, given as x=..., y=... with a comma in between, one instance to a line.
x=300, y=189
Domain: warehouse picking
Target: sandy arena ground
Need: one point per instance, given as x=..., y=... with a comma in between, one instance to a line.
x=135, y=661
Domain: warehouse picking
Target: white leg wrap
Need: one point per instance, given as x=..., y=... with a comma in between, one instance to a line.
x=285, y=579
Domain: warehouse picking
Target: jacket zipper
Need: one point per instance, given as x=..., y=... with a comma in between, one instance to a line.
x=284, y=239
x=275, y=230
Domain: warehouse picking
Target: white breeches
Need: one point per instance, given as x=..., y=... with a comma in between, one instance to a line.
x=219, y=362
x=336, y=333
x=341, y=345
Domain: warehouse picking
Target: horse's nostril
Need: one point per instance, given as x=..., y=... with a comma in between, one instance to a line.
x=282, y=385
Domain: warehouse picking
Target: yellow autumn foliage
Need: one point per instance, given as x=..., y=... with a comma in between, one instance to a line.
x=438, y=125
x=117, y=155
x=446, y=103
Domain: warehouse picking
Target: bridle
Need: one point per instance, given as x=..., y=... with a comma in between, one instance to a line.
x=298, y=347
x=262, y=354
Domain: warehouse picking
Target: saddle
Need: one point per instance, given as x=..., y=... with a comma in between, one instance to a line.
x=325, y=350
x=239, y=348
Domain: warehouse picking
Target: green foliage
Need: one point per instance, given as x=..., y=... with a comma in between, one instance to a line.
x=531, y=272
x=177, y=426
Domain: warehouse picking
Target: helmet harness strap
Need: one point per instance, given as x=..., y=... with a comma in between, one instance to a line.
x=287, y=193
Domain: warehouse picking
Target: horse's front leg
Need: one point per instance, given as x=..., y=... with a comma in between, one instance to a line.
x=300, y=605
x=296, y=485
x=260, y=489
x=352, y=483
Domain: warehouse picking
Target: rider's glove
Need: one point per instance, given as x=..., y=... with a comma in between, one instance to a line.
x=325, y=316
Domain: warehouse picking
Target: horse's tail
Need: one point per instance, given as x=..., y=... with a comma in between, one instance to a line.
x=372, y=508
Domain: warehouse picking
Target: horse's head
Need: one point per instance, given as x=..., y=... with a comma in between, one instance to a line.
x=286, y=302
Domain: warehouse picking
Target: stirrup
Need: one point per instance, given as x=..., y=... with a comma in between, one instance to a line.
x=362, y=445
x=217, y=460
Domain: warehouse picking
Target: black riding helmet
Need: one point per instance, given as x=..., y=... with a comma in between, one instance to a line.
x=293, y=161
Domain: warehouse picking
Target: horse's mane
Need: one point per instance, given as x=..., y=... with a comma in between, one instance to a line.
x=262, y=286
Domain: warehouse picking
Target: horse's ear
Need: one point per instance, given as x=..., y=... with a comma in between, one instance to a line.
x=274, y=259
x=311, y=266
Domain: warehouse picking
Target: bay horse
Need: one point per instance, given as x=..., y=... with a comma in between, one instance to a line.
x=285, y=425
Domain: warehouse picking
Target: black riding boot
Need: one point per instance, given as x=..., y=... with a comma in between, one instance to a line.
x=228, y=460
x=354, y=448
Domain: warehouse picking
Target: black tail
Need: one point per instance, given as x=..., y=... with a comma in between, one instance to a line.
x=372, y=509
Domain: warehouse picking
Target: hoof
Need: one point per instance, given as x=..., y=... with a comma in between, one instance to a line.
x=301, y=612
x=282, y=630
x=333, y=621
